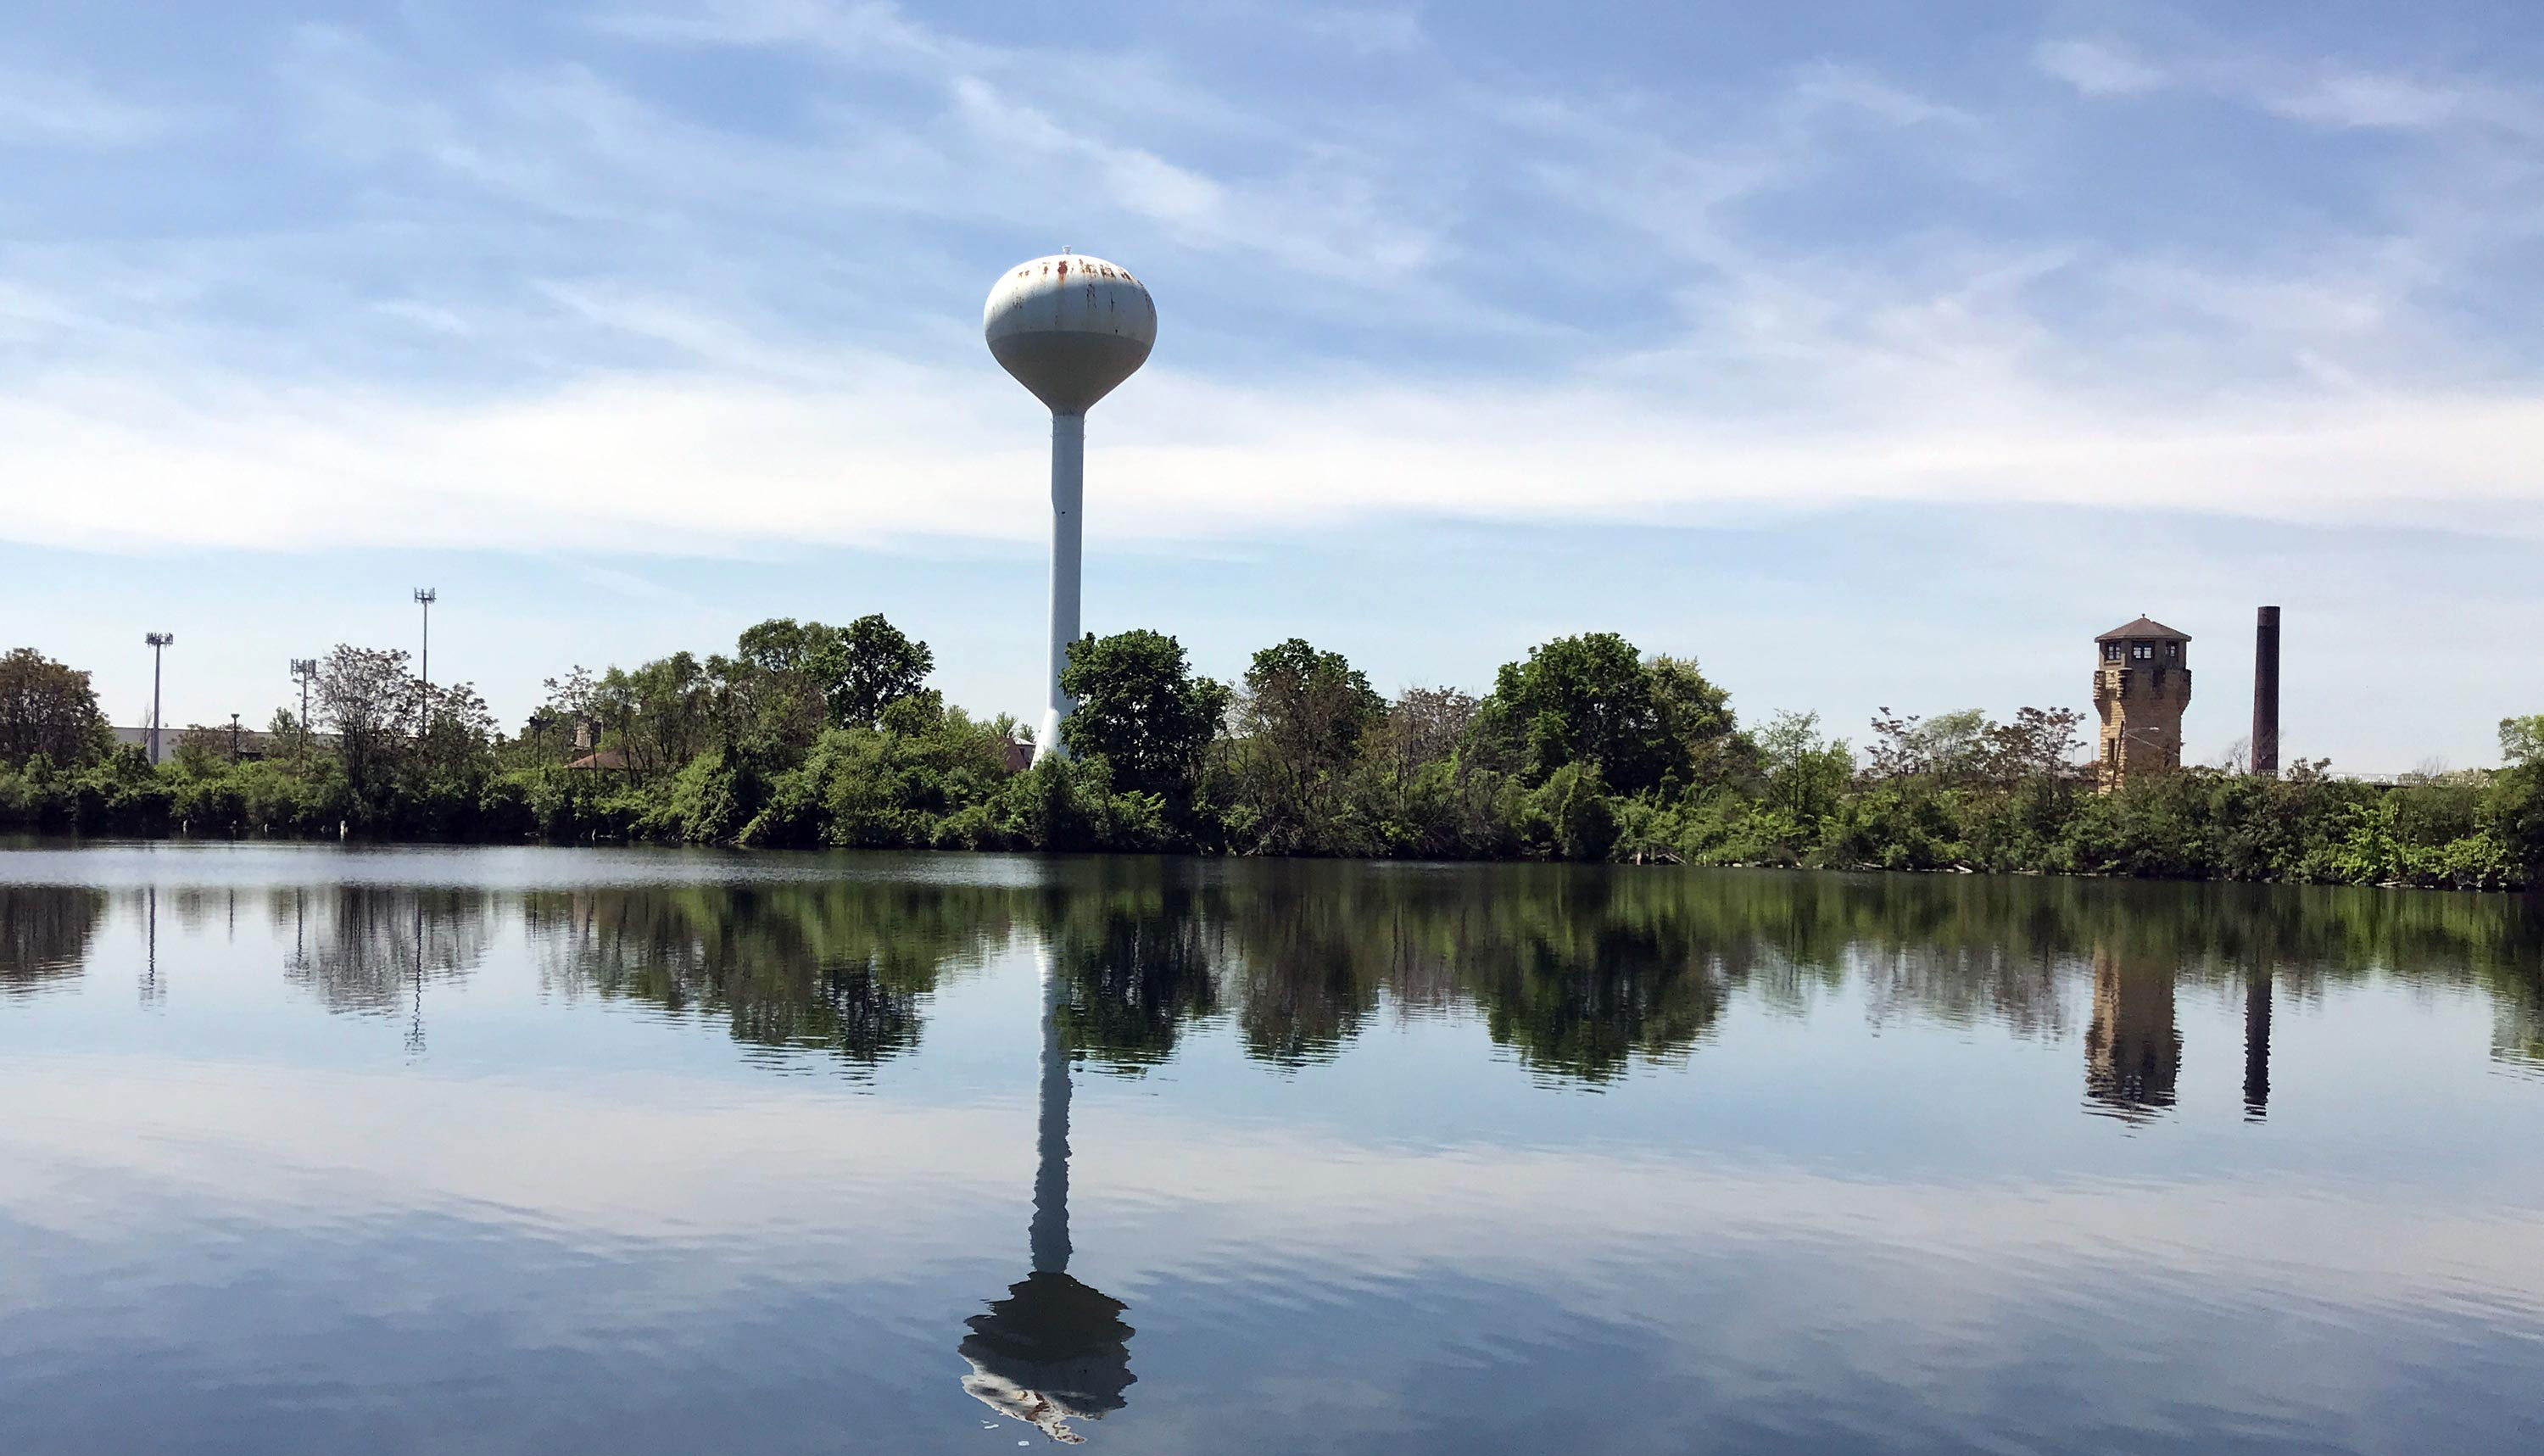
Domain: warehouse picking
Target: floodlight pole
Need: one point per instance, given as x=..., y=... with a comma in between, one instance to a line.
x=159, y=642
x=304, y=669
x=425, y=597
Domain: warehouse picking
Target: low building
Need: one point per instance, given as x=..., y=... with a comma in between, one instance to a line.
x=248, y=744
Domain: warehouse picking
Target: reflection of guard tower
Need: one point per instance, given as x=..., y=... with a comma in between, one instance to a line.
x=1054, y=1350
x=2134, y=1050
x=2140, y=687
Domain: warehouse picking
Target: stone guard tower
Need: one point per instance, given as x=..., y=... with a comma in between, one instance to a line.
x=2140, y=687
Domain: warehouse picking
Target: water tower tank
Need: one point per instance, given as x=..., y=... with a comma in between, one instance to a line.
x=1070, y=328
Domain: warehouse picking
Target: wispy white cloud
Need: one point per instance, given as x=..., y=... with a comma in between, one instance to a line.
x=874, y=450
x=1016, y=132
x=2349, y=99
x=2098, y=67
x=68, y=110
x=1366, y=32
x=1830, y=87
x=2324, y=93
x=680, y=359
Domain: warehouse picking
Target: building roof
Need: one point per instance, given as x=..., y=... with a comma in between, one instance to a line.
x=2144, y=628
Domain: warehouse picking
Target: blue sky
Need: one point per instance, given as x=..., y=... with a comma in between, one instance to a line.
x=1876, y=354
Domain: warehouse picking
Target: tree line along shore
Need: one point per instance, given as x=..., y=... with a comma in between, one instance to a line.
x=808, y=735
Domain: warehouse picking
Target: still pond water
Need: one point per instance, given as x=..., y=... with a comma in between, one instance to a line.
x=309, y=1150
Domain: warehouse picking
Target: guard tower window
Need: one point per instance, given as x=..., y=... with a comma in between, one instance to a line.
x=2111, y=652
x=2172, y=650
x=2142, y=651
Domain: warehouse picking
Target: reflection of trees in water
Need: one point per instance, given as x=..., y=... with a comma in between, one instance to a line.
x=371, y=948
x=1964, y=986
x=843, y=967
x=2516, y=984
x=1572, y=974
x=1594, y=970
x=194, y=906
x=1580, y=971
x=44, y=932
x=1301, y=985
x=1134, y=965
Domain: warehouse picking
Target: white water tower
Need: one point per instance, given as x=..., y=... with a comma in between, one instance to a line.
x=1070, y=328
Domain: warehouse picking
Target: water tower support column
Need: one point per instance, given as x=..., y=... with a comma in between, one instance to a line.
x=1067, y=530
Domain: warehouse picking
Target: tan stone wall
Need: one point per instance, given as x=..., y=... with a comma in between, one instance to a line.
x=2141, y=701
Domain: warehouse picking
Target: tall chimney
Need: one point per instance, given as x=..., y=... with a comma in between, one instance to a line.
x=2265, y=693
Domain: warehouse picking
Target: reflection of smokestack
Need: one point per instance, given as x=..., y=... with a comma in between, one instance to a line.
x=2257, y=1043
x=2265, y=693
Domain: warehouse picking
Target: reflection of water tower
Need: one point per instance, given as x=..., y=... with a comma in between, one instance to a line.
x=1054, y=1350
x=2133, y=1049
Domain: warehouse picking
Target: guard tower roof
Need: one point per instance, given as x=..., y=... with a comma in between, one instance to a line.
x=2141, y=629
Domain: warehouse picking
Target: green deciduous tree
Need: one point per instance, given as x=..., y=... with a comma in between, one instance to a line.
x=367, y=697
x=1300, y=718
x=1588, y=699
x=200, y=748
x=2522, y=740
x=1142, y=708
x=1694, y=715
x=48, y=709
x=776, y=687
x=847, y=676
x=459, y=729
x=1948, y=748
x=878, y=665
x=1807, y=772
x=1582, y=699
x=2037, y=743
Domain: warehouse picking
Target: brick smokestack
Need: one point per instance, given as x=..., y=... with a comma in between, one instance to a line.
x=2265, y=693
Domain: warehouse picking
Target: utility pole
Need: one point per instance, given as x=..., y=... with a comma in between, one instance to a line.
x=234, y=737
x=159, y=642
x=303, y=670
x=425, y=597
